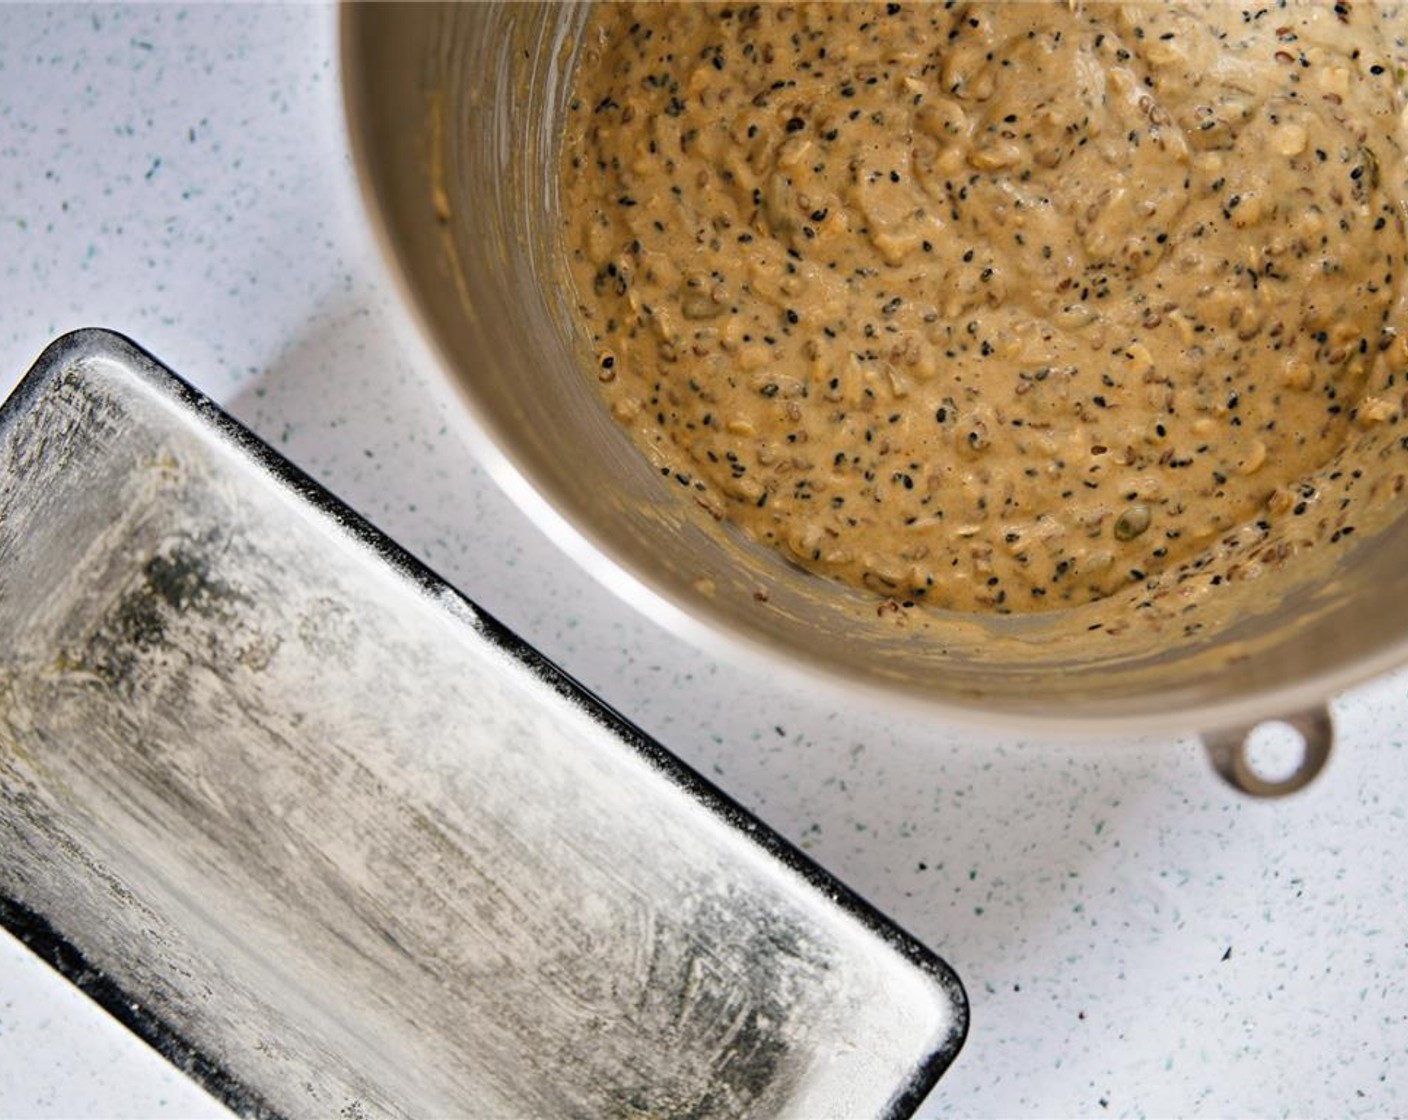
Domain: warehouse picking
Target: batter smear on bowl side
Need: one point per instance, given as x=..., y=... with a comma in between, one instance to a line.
x=997, y=307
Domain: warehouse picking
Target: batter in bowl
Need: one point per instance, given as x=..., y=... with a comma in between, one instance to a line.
x=999, y=307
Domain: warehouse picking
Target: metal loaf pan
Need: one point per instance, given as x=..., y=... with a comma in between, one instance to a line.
x=337, y=841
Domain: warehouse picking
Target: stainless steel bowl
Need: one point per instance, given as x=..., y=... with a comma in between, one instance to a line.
x=453, y=113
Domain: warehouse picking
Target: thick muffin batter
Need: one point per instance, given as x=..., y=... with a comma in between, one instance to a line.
x=993, y=307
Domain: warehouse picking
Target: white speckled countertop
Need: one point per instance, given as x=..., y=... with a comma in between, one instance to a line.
x=1135, y=938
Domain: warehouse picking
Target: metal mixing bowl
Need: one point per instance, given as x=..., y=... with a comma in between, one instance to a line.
x=453, y=113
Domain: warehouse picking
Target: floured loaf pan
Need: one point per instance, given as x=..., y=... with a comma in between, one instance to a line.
x=340, y=843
